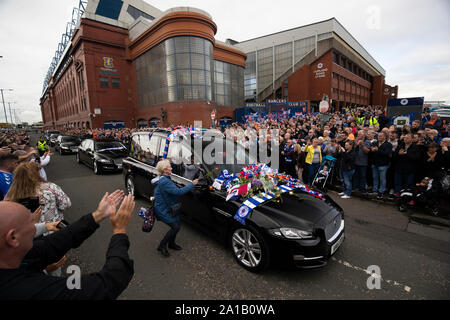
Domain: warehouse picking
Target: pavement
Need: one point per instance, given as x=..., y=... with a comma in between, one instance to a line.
x=416, y=220
x=413, y=257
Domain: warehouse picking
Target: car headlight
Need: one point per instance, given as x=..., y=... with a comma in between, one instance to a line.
x=63, y=147
x=104, y=160
x=292, y=233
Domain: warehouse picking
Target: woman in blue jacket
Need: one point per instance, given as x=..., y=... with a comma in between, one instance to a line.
x=166, y=195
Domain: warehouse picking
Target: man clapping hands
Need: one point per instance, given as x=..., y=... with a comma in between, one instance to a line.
x=22, y=261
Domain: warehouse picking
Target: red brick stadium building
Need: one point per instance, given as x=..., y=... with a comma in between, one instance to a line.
x=126, y=63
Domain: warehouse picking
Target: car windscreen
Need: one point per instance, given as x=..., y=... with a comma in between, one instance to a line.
x=70, y=139
x=225, y=154
x=109, y=146
x=54, y=136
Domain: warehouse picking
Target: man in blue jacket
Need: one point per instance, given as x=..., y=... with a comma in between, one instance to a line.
x=8, y=162
x=166, y=196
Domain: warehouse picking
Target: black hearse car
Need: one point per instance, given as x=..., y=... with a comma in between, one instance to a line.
x=301, y=229
x=102, y=154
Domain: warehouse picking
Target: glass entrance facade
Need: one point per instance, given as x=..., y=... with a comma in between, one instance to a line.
x=183, y=69
x=178, y=69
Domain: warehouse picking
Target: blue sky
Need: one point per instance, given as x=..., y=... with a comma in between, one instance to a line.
x=410, y=39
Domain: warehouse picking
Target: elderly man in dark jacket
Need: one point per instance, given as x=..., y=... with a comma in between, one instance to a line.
x=381, y=160
x=408, y=156
x=22, y=261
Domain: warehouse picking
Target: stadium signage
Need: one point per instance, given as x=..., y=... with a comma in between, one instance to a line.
x=320, y=72
x=108, y=67
x=255, y=104
x=297, y=104
x=108, y=62
x=277, y=101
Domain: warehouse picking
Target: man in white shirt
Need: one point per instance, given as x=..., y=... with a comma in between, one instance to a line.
x=33, y=155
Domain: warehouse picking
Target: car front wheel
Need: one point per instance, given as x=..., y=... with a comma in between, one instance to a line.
x=96, y=168
x=130, y=186
x=249, y=249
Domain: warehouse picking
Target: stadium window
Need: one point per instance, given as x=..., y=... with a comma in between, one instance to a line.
x=115, y=83
x=286, y=89
x=104, y=82
x=74, y=88
x=136, y=13
x=335, y=57
x=80, y=79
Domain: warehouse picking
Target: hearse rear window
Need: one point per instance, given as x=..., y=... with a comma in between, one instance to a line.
x=143, y=148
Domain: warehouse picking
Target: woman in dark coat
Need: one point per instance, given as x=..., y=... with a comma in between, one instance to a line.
x=348, y=168
x=432, y=161
x=299, y=159
x=166, y=195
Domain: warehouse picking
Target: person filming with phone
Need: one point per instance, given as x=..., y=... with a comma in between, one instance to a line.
x=22, y=259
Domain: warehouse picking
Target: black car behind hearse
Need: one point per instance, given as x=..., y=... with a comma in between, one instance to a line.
x=102, y=154
x=299, y=229
x=67, y=144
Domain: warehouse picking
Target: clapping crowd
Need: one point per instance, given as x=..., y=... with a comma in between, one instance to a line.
x=371, y=155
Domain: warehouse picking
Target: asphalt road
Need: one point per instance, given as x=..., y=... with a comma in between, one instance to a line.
x=412, y=265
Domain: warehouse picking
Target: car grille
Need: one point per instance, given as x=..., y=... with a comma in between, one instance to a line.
x=333, y=227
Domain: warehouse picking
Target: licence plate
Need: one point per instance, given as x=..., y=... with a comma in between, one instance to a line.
x=337, y=244
x=119, y=166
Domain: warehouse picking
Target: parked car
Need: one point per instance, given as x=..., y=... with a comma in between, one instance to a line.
x=102, y=155
x=52, y=139
x=301, y=230
x=67, y=144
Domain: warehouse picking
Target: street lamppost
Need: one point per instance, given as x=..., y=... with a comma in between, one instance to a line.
x=10, y=115
x=3, y=99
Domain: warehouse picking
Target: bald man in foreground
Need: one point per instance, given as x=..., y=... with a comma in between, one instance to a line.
x=23, y=260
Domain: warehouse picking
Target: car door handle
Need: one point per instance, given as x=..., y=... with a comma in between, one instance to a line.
x=224, y=213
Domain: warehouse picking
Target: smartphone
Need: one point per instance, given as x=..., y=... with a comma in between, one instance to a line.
x=62, y=224
x=31, y=204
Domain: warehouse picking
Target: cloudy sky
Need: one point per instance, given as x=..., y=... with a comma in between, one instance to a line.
x=409, y=38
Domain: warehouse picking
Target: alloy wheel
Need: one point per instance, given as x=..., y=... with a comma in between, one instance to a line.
x=130, y=185
x=246, y=248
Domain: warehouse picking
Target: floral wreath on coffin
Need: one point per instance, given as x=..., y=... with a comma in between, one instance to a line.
x=256, y=184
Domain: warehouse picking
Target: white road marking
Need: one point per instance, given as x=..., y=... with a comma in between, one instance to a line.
x=392, y=282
